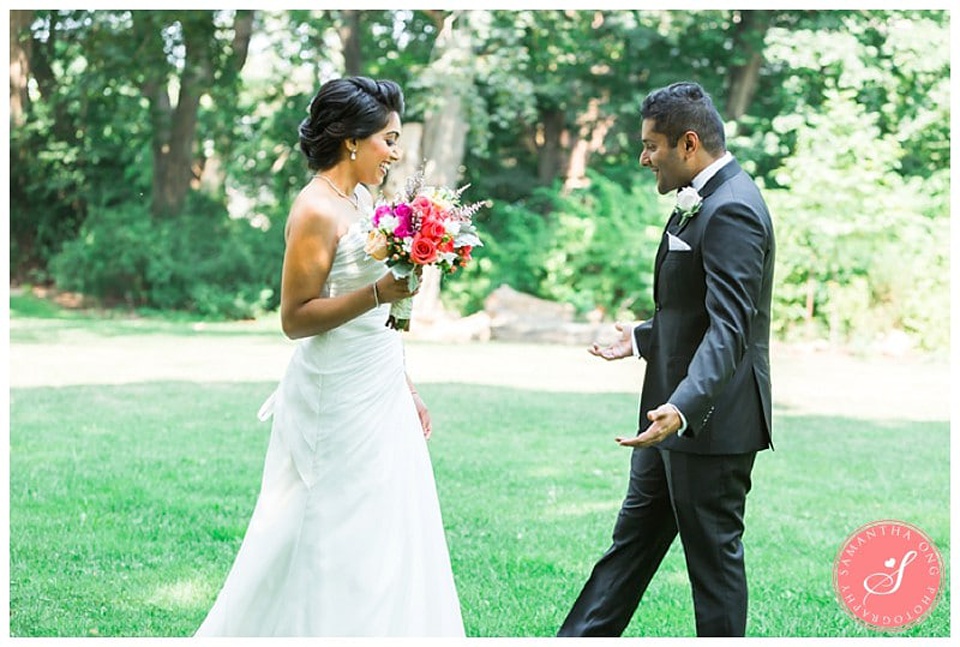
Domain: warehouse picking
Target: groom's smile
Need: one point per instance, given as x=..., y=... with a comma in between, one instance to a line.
x=664, y=160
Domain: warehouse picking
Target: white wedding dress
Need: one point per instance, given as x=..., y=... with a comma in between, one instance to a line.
x=346, y=538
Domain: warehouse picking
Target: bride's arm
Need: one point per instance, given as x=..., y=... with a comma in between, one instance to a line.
x=421, y=410
x=312, y=238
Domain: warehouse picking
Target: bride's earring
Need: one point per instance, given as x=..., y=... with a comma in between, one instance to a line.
x=353, y=156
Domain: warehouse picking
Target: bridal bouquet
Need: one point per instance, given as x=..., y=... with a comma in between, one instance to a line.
x=423, y=225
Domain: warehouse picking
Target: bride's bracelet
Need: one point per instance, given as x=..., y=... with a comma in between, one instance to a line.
x=376, y=295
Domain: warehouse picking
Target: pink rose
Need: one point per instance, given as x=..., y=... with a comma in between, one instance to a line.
x=427, y=208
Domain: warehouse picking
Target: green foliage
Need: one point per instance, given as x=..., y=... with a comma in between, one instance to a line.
x=209, y=264
x=398, y=45
x=554, y=92
x=896, y=63
x=603, y=249
x=84, y=143
x=110, y=257
x=592, y=247
x=516, y=241
x=861, y=250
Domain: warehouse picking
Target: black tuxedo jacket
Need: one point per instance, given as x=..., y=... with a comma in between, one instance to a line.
x=707, y=346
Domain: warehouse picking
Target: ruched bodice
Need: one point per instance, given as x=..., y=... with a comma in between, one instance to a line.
x=352, y=269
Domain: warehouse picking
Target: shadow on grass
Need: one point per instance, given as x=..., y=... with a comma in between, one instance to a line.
x=128, y=503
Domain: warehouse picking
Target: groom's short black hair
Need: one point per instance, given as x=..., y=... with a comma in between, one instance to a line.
x=684, y=106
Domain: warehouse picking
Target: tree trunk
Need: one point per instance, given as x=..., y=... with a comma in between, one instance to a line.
x=20, y=42
x=41, y=54
x=242, y=33
x=349, y=31
x=811, y=301
x=592, y=128
x=176, y=126
x=743, y=86
x=445, y=129
x=549, y=143
x=743, y=79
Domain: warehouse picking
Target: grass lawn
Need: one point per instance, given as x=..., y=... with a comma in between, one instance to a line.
x=135, y=459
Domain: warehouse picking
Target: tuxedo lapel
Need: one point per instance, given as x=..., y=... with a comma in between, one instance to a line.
x=674, y=225
x=681, y=223
x=662, y=250
x=725, y=173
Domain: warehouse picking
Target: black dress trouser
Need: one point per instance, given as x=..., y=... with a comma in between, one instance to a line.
x=699, y=497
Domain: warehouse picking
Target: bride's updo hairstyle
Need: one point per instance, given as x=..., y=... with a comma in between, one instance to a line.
x=348, y=108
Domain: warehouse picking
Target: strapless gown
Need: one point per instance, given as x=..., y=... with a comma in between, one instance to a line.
x=346, y=538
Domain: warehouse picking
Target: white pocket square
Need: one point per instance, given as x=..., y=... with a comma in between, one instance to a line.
x=676, y=244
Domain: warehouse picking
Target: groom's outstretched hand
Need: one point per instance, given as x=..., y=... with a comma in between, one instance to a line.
x=664, y=421
x=622, y=347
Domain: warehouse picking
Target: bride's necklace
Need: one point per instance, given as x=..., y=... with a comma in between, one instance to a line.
x=355, y=202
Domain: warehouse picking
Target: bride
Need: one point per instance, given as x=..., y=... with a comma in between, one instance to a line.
x=346, y=538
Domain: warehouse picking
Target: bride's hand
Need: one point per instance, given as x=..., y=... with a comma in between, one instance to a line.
x=390, y=288
x=424, y=415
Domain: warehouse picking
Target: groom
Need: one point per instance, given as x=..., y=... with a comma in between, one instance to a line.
x=705, y=405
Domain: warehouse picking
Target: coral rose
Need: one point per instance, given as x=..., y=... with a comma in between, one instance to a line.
x=423, y=251
x=433, y=229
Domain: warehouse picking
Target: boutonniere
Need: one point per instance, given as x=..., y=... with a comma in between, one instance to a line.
x=688, y=203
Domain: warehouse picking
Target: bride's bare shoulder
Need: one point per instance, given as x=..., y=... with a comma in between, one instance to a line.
x=312, y=212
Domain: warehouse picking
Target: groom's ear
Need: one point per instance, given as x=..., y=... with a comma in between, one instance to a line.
x=689, y=144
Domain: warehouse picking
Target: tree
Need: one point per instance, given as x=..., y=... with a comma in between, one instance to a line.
x=19, y=65
x=538, y=110
x=350, y=37
x=744, y=76
x=87, y=128
x=206, y=55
